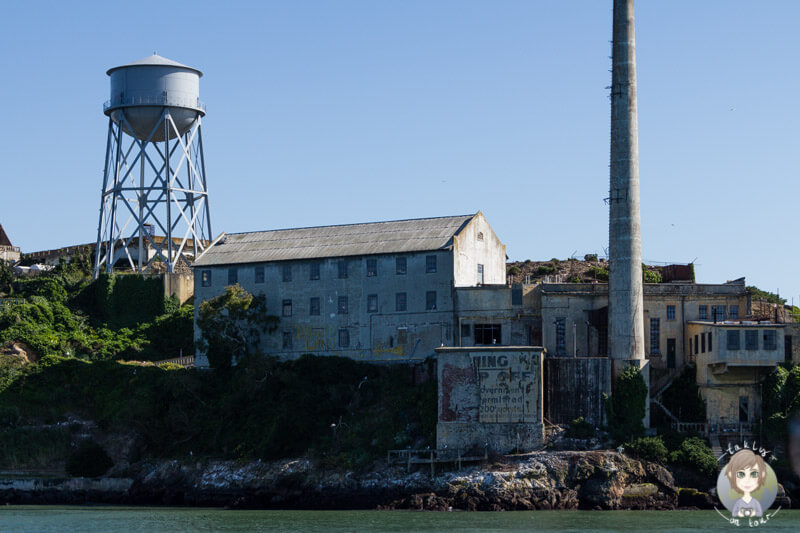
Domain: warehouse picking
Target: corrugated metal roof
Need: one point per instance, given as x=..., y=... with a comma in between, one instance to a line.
x=154, y=60
x=415, y=235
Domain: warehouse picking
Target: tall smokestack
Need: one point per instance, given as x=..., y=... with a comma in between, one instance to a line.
x=625, y=303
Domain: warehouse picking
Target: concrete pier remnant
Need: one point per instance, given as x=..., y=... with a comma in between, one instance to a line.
x=626, y=322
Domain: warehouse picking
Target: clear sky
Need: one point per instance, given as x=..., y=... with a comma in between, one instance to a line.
x=333, y=112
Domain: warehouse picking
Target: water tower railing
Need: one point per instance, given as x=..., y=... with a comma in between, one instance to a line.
x=161, y=100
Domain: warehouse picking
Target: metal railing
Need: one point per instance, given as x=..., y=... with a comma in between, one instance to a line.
x=167, y=100
x=4, y=248
x=691, y=427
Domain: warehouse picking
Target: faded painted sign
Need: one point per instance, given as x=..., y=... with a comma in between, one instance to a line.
x=508, y=387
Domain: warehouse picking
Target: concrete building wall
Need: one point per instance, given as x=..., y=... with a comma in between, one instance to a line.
x=729, y=377
x=500, y=306
x=490, y=396
x=384, y=333
x=574, y=388
x=9, y=254
x=179, y=285
x=477, y=244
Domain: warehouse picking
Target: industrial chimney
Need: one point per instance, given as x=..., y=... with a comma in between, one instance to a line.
x=625, y=302
x=154, y=201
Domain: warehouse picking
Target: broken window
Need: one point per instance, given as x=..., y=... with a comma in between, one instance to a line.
x=401, y=265
x=372, y=268
x=287, y=308
x=430, y=300
x=770, y=339
x=205, y=278
x=488, y=334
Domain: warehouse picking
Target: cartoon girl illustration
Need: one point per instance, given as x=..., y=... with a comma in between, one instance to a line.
x=746, y=473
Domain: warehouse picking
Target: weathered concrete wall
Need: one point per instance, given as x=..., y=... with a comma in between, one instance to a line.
x=574, y=387
x=573, y=302
x=179, y=285
x=382, y=334
x=478, y=244
x=490, y=396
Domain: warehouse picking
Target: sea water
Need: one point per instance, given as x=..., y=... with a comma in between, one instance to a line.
x=45, y=519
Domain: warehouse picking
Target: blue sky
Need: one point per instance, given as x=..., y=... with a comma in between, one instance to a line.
x=332, y=112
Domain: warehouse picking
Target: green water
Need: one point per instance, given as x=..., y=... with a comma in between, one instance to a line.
x=45, y=519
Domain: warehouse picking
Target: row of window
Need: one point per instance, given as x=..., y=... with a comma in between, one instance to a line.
x=343, y=304
x=401, y=269
x=701, y=340
x=344, y=339
x=718, y=312
x=769, y=339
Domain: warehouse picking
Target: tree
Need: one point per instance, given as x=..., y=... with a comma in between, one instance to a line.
x=231, y=324
x=627, y=406
x=6, y=278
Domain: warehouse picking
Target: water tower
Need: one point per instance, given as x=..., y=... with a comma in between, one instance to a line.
x=154, y=204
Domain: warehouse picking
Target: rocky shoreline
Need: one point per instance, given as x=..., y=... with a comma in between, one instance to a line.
x=539, y=480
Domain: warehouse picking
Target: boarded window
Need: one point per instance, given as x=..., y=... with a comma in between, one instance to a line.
x=733, y=339
x=516, y=296
x=400, y=301
x=344, y=338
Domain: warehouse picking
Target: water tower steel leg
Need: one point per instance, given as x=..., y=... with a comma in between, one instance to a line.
x=203, y=179
x=97, y=255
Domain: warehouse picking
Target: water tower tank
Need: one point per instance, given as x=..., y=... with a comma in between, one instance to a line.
x=141, y=90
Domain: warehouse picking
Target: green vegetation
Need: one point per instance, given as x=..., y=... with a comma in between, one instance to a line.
x=781, y=402
x=64, y=312
x=598, y=273
x=346, y=412
x=580, y=429
x=692, y=452
x=543, y=270
x=626, y=408
x=514, y=270
x=590, y=257
x=231, y=325
x=683, y=398
x=650, y=276
x=757, y=294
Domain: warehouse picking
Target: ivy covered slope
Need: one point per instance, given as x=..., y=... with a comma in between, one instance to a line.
x=85, y=343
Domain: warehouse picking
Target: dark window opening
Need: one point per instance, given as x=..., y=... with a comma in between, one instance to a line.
x=342, y=266
x=287, y=340
x=750, y=339
x=733, y=339
x=488, y=334
x=287, y=272
x=372, y=303
x=344, y=338
x=206, y=278
x=314, y=271
x=343, y=307
x=233, y=276
x=313, y=308
x=430, y=300
x=372, y=267
x=465, y=330
x=400, y=301
x=430, y=264
x=259, y=274
x=401, y=265
x=561, y=336
x=287, y=308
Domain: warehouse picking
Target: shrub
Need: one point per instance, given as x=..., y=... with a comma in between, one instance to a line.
x=590, y=257
x=514, y=270
x=598, y=273
x=545, y=269
x=626, y=408
x=580, y=429
x=651, y=276
x=649, y=449
x=694, y=452
x=88, y=459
